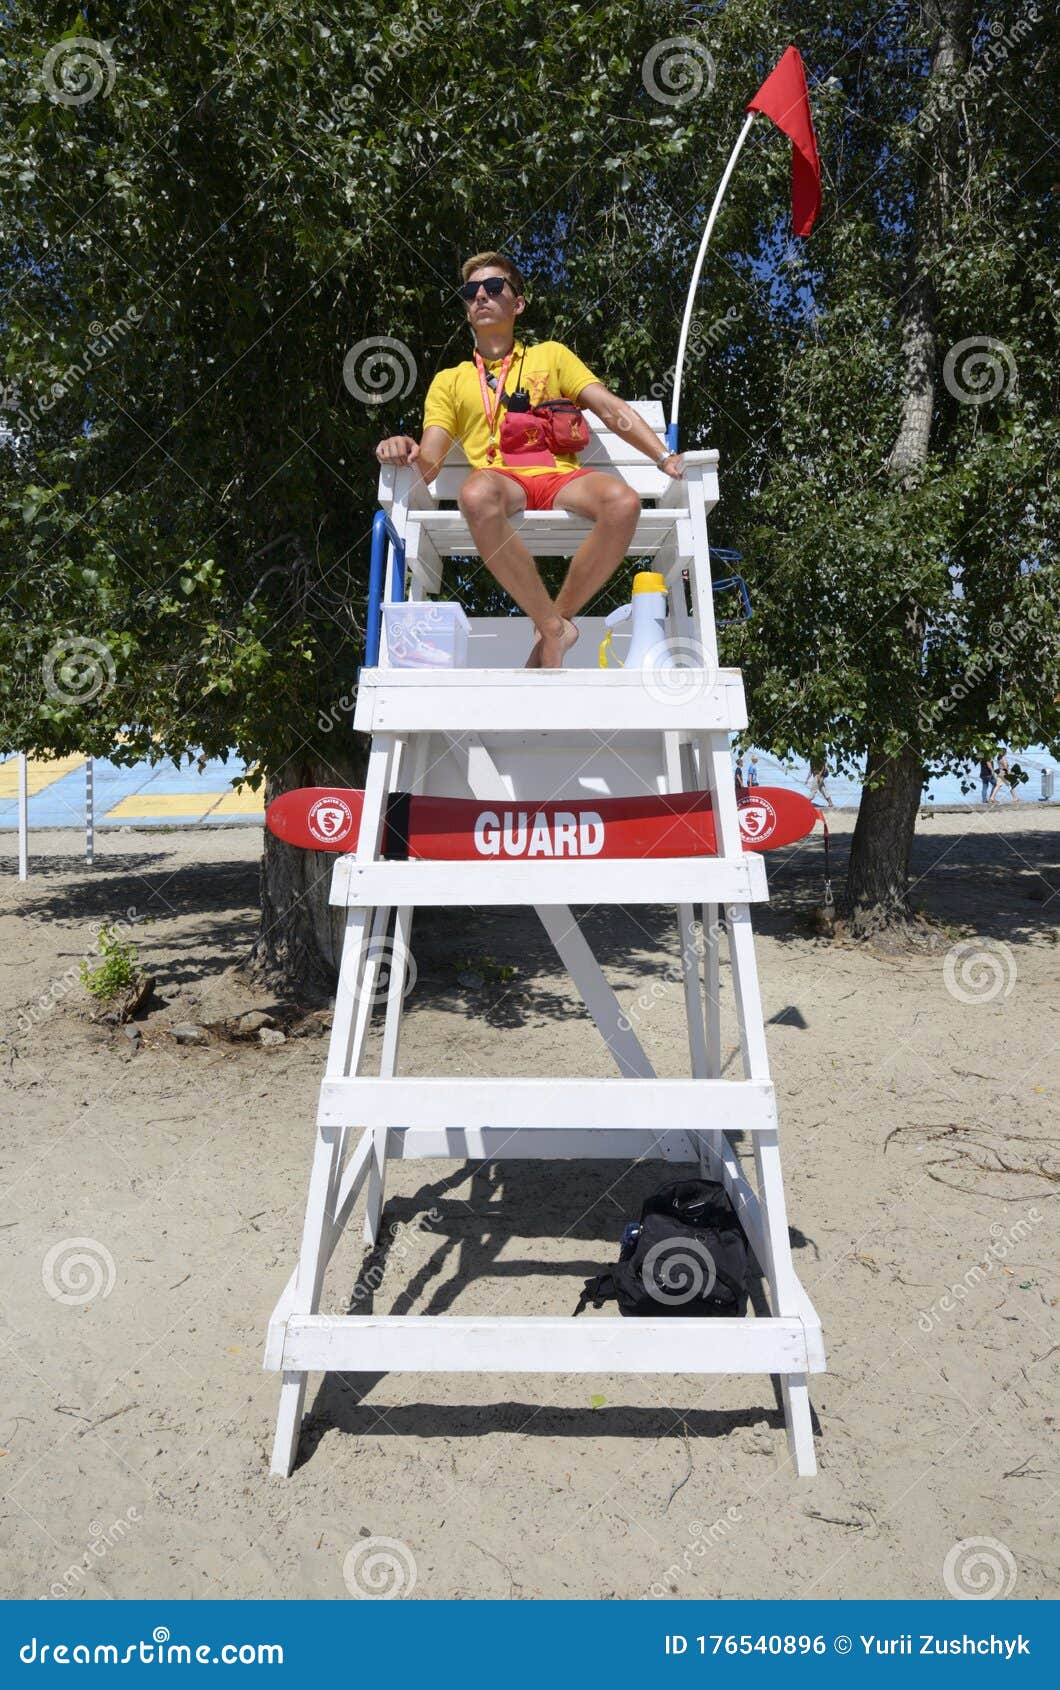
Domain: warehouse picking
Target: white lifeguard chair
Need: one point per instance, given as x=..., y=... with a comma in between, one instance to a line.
x=497, y=731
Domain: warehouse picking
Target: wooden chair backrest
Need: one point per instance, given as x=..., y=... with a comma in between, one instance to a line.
x=606, y=450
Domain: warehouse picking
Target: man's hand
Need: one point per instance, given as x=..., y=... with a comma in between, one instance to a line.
x=673, y=466
x=397, y=449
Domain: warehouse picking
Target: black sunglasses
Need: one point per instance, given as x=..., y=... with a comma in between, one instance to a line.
x=493, y=285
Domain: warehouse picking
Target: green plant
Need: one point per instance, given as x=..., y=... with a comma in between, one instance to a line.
x=118, y=970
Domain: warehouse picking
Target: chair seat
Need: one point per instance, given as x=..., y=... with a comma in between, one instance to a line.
x=547, y=533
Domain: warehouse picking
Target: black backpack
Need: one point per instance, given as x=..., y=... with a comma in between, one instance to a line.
x=688, y=1256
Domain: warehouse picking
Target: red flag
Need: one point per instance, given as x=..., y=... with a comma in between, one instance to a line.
x=783, y=97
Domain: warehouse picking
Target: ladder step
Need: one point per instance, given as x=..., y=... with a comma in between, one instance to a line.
x=549, y=880
x=544, y=700
x=589, y=1344
x=614, y=1105
x=488, y=1144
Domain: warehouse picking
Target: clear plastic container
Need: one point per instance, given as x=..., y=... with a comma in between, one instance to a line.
x=427, y=634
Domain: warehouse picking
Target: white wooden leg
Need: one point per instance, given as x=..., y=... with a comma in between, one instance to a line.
x=395, y=1007
x=688, y=939
x=288, y=1424
x=711, y=918
x=316, y=1237
x=779, y=1270
x=798, y=1423
x=575, y=953
x=375, y=1195
x=344, y=1050
x=365, y=983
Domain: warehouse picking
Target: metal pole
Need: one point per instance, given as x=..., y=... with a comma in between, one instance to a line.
x=671, y=432
x=89, y=812
x=23, y=818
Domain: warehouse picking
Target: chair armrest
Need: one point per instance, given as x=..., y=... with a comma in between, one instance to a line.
x=403, y=484
x=698, y=465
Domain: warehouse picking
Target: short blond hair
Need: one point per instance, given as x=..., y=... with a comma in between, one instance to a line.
x=495, y=261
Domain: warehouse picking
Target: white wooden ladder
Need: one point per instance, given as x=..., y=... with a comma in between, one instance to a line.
x=496, y=731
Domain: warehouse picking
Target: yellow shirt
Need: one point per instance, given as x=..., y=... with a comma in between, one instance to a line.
x=454, y=399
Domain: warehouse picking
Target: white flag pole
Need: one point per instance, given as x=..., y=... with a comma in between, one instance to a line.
x=671, y=433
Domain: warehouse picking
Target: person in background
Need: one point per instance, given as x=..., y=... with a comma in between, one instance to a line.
x=816, y=784
x=986, y=776
x=1003, y=777
x=739, y=772
x=752, y=772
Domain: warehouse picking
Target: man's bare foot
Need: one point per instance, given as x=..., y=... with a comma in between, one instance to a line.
x=557, y=637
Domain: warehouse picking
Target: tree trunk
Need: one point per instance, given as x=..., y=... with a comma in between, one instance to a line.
x=878, y=874
x=299, y=942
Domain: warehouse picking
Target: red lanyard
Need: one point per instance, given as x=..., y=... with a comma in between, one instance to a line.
x=492, y=410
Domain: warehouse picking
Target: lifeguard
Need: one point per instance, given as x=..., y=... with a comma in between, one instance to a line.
x=470, y=402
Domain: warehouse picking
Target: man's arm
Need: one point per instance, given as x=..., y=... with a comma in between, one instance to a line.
x=428, y=456
x=615, y=414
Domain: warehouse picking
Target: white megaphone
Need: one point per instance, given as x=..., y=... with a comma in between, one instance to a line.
x=648, y=610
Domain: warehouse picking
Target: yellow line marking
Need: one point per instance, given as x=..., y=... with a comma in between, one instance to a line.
x=41, y=772
x=245, y=803
x=162, y=804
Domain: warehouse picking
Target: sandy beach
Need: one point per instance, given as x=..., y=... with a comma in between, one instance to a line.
x=921, y=1153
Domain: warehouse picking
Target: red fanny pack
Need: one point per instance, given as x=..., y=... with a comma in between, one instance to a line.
x=555, y=426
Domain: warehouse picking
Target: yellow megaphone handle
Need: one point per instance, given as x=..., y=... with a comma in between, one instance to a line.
x=604, y=644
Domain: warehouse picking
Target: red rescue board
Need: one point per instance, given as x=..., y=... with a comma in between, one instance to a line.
x=326, y=818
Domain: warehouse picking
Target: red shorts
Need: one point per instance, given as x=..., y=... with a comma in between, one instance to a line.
x=541, y=490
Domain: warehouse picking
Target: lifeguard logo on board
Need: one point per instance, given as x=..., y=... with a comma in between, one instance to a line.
x=758, y=820
x=330, y=819
x=530, y=833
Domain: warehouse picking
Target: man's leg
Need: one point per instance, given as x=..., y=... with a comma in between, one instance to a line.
x=613, y=508
x=488, y=501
